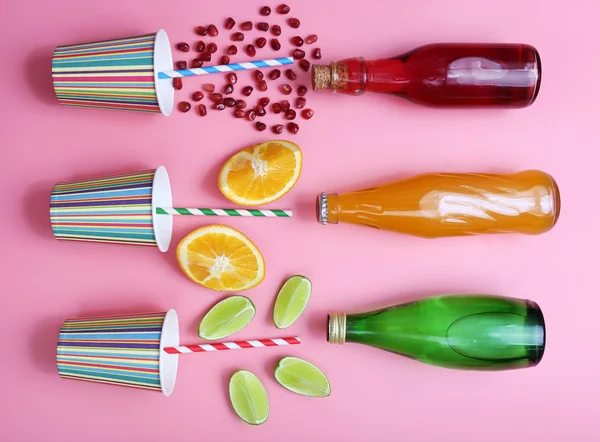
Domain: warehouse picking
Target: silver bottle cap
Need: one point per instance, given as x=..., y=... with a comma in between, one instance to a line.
x=322, y=208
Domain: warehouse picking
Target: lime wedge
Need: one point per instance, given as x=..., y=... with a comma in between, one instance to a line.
x=227, y=317
x=248, y=397
x=302, y=377
x=291, y=301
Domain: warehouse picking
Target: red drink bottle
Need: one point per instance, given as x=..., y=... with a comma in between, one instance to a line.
x=443, y=75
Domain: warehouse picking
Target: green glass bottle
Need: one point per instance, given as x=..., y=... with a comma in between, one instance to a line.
x=469, y=332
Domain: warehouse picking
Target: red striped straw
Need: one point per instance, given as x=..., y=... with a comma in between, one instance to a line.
x=237, y=345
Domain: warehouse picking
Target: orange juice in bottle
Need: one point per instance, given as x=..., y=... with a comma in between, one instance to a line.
x=450, y=204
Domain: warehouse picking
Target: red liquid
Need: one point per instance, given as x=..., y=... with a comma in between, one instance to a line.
x=450, y=74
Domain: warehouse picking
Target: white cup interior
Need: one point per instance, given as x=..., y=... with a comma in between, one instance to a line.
x=163, y=61
x=161, y=197
x=169, y=337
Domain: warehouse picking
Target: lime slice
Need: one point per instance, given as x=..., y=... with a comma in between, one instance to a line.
x=248, y=397
x=227, y=317
x=302, y=377
x=291, y=301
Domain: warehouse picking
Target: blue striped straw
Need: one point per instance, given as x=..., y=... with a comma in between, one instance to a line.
x=227, y=68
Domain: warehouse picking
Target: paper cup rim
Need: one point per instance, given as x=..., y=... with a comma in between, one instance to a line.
x=168, y=363
x=162, y=197
x=163, y=61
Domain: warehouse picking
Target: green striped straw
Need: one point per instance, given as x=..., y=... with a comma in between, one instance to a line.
x=223, y=212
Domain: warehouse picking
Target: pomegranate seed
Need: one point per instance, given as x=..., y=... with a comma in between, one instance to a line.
x=285, y=105
x=260, y=126
x=247, y=91
x=312, y=38
x=208, y=87
x=297, y=41
x=264, y=101
x=274, y=74
x=278, y=128
x=307, y=114
x=275, y=44
x=251, y=115
x=229, y=102
x=290, y=114
x=202, y=110
x=260, y=42
x=240, y=104
x=246, y=26
x=225, y=59
x=262, y=26
x=283, y=9
x=276, y=30
x=298, y=54
x=260, y=111
x=184, y=106
x=286, y=89
x=201, y=30
x=181, y=65
x=212, y=30
x=304, y=64
x=237, y=36
x=232, y=50
x=219, y=106
x=212, y=48
x=183, y=47
x=300, y=102
x=265, y=10
x=276, y=108
x=293, y=128
x=197, y=63
x=316, y=53
x=258, y=75
x=232, y=78
x=302, y=90
x=216, y=97
x=251, y=50
x=229, y=23
x=228, y=89
x=206, y=56
x=239, y=113
x=262, y=86
x=197, y=96
x=294, y=23
x=290, y=74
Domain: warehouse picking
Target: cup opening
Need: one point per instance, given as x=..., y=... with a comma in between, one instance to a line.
x=161, y=197
x=163, y=61
x=169, y=337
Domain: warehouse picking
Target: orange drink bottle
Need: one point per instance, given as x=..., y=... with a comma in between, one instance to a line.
x=450, y=204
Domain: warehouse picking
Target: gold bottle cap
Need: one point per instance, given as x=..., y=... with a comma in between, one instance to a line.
x=337, y=328
x=321, y=77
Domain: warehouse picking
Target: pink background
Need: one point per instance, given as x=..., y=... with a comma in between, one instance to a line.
x=351, y=142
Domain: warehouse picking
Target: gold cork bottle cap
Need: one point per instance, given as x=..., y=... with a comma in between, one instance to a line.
x=337, y=328
x=321, y=77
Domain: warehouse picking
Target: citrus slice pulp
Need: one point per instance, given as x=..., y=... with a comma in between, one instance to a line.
x=262, y=173
x=221, y=258
x=302, y=377
x=226, y=317
x=291, y=301
x=248, y=397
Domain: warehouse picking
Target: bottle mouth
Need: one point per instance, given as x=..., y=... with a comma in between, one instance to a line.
x=322, y=208
x=336, y=328
x=321, y=77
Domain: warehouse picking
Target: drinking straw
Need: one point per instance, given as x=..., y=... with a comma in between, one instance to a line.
x=237, y=345
x=223, y=212
x=226, y=68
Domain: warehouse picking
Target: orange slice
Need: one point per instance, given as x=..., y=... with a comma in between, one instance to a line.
x=221, y=258
x=261, y=174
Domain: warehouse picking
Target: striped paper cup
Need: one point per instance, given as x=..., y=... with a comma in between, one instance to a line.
x=122, y=350
x=117, y=209
x=117, y=74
